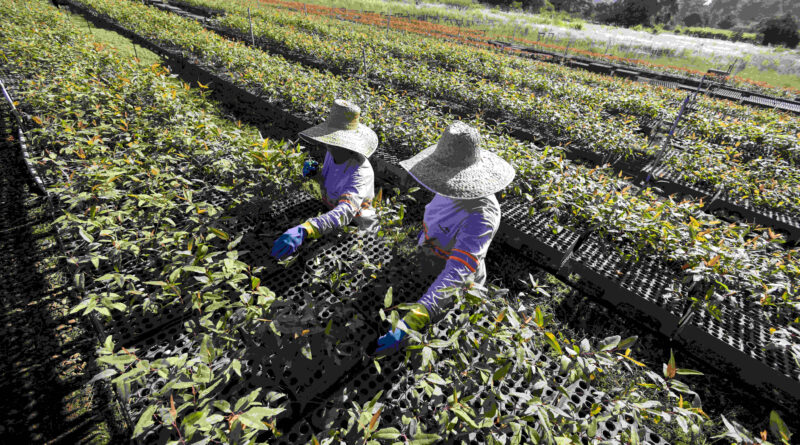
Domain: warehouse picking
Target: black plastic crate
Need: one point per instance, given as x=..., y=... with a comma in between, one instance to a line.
x=599, y=266
x=360, y=387
x=531, y=234
x=655, y=293
x=736, y=343
x=171, y=341
x=789, y=225
x=408, y=283
x=135, y=326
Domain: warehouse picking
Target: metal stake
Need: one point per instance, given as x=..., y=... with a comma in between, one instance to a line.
x=250, y=19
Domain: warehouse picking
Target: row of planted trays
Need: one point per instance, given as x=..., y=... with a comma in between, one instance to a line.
x=554, y=52
x=168, y=209
x=701, y=171
x=737, y=261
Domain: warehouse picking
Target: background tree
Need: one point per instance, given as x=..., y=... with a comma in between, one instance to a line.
x=727, y=22
x=694, y=19
x=780, y=31
x=637, y=12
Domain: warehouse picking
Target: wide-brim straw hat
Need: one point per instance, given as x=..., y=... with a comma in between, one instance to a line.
x=343, y=129
x=457, y=166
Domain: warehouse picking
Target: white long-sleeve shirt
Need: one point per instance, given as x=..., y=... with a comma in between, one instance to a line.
x=460, y=232
x=347, y=189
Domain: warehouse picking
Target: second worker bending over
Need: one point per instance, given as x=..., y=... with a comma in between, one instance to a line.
x=459, y=222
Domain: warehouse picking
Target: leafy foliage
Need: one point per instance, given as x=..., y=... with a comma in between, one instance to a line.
x=150, y=177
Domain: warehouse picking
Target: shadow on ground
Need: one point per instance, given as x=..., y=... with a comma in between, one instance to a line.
x=48, y=355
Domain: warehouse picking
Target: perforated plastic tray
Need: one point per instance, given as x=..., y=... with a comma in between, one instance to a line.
x=738, y=342
x=531, y=235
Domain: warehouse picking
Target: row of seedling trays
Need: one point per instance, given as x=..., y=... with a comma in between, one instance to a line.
x=640, y=287
x=663, y=79
x=640, y=166
x=320, y=389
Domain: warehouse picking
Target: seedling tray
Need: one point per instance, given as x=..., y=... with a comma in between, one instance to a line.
x=532, y=236
x=737, y=343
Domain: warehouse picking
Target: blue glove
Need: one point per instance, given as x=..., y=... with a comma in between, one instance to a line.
x=288, y=243
x=310, y=168
x=392, y=341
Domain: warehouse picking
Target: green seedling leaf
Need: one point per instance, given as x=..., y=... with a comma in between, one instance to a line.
x=117, y=359
x=538, y=317
x=145, y=420
x=778, y=427
x=103, y=375
x=425, y=439
x=387, y=300
x=464, y=416
x=610, y=343
x=386, y=433
x=436, y=379
x=219, y=233
x=626, y=343
x=551, y=340
x=500, y=373
x=88, y=238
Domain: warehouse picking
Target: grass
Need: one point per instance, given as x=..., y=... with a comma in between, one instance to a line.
x=118, y=44
x=771, y=77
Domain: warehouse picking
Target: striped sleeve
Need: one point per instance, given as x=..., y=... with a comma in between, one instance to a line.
x=471, y=246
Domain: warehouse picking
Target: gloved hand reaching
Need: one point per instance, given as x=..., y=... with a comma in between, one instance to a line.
x=288, y=243
x=393, y=340
x=310, y=168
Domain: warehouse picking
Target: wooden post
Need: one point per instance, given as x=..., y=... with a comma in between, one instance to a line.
x=250, y=19
x=305, y=9
x=388, y=22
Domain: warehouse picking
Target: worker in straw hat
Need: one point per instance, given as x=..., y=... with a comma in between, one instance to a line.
x=459, y=222
x=347, y=179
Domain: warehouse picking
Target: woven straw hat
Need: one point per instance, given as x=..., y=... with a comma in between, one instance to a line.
x=342, y=129
x=457, y=166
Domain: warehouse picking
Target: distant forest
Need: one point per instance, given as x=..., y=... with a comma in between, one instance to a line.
x=745, y=15
x=769, y=18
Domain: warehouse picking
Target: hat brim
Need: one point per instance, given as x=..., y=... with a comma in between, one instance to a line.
x=487, y=176
x=362, y=140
